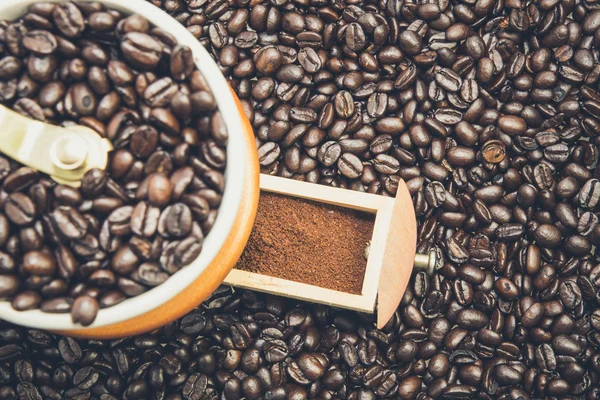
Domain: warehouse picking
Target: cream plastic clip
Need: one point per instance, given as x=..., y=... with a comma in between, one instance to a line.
x=64, y=153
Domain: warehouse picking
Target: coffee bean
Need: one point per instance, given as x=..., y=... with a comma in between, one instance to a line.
x=545, y=358
x=144, y=219
x=165, y=120
x=410, y=42
x=355, y=37
x=390, y=125
x=512, y=125
x=29, y=109
x=589, y=195
x=9, y=285
x=350, y=165
x=68, y=19
x=141, y=50
x=268, y=60
x=159, y=189
x=344, y=104
x=290, y=73
x=409, y=387
x=329, y=153
x=532, y=315
x=268, y=153
x=472, y=319
x=302, y=115
x=38, y=263
x=309, y=60
x=102, y=21
x=547, y=235
x=40, y=42
x=459, y=156
x=144, y=141
x=448, y=116
x=160, y=92
x=182, y=62
x=84, y=311
x=26, y=300
x=494, y=151
x=175, y=221
x=57, y=305
x=19, y=209
x=68, y=222
x=150, y=274
x=506, y=288
x=448, y=80
x=187, y=250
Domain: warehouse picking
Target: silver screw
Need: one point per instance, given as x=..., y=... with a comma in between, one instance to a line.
x=429, y=262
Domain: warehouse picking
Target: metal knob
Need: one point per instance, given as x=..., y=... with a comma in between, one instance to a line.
x=69, y=152
x=64, y=153
x=429, y=262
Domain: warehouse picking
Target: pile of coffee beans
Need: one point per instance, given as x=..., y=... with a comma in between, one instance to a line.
x=126, y=229
x=490, y=111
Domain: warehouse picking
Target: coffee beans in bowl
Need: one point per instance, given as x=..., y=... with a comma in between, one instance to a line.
x=130, y=227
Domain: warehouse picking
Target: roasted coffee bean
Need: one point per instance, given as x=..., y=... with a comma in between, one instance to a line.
x=40, y=42
x=344, y=104
x=175, y=221
x=160, y=92
x=27, y=300
x=9, y=67
x=187, y=250
x=182, y=62
x=93, y=182
x=547, y=235
x=472, y=319
x=268, y=153
x=68, y=222
x=350, y=165
x=268, y=60
x=30, y=109
x=84, y=310
x=309, y=60
x=512, y=125
x=19, y=209
x=144, y=219
x=355, y=37
x=9, y=284
x=448, y=80
x=38, y=263
x=150, y=274
x=377, y=104
x=144, y=141
x=159, y=189
x=141, y=50
x=68, y=19
x=589, y=195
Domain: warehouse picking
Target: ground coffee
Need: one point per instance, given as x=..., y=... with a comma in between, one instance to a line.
x=308, y=242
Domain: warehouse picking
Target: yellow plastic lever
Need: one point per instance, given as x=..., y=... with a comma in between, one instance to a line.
x=64, y=153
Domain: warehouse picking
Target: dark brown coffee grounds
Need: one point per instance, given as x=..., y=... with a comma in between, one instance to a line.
x=309, y=242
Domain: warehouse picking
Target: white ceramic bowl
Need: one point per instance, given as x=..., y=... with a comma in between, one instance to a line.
x=237, y=162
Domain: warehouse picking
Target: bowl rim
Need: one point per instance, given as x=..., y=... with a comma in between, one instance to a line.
x=232, y=194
